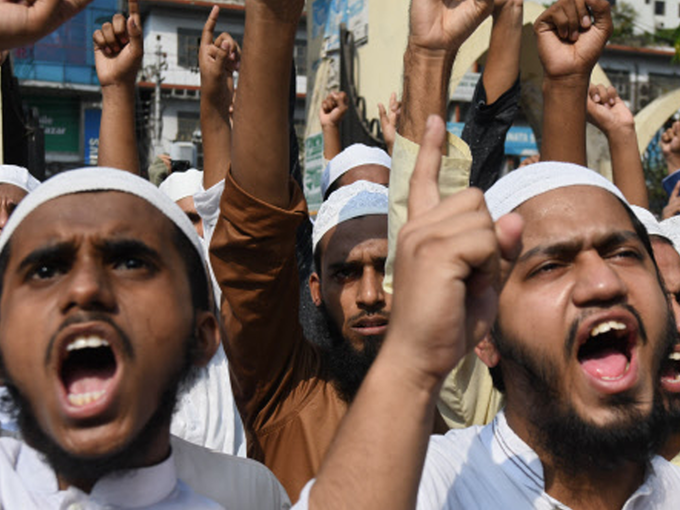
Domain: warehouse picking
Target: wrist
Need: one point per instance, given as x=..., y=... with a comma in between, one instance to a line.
x=427, y=56
x=118, y=88
x=621, y=134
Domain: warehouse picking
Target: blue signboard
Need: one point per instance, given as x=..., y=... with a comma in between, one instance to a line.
x=93, y=117
x=520, y=140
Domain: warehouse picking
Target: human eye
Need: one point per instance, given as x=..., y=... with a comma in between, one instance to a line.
x=545, y=268
x=627, y=253
x=345, y=273
x=45, y=271
x=130, y=263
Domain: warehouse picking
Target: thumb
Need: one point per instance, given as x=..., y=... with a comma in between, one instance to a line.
x=602, y=17
x=509, y=234
x=134, y=23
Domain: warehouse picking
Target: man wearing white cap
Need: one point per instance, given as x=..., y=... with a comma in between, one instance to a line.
x=581, y=332
x=291, y=393
x=93, y=370
x=15, y=183
x=357, y=162
x=181, y=188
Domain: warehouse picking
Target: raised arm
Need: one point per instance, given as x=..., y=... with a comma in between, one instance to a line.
x=569, y=45
x=502, y=63
x=609, y=114
x=447, y=277
x=670, y=147
x=331, y=113
x=118, y=53
x=260, y=163
x=437, y=30
x=389, y=120
x=23, y=23
x=217, y=60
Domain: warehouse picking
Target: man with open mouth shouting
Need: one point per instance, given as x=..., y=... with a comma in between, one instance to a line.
x=106, y=314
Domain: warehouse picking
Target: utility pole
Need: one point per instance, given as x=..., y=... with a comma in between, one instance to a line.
x=156, y=71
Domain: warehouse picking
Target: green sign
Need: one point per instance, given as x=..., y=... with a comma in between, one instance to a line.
x=314, y=165
x=60, y=118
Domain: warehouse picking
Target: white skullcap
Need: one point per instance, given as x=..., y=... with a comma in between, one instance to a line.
x=671, y=227
x=179, y=185
x=352, y=157
x=650, y=222
x=19, y=176
x=101, y=179
x=361, y=198
x=520, y=185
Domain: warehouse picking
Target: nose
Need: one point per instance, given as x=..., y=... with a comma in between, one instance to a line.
x=88, y=287
x=4, y=216
x=370, y=294
x=597, y=282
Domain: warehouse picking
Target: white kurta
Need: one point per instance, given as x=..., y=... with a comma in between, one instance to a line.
x=28, y=483
x=488, y=468
x=206, y=415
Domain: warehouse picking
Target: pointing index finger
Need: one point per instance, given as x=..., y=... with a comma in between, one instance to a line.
x=209, y=27
x=133, y=7
x=424, y=184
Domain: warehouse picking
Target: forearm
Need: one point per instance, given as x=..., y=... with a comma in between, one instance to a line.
x=388, y=425
x=627, y=167
x=260, y=155
x=332, y=146
x=117, y=136
x=502, y=62
x=216, y=133
x=564, y=120
x=426, y=82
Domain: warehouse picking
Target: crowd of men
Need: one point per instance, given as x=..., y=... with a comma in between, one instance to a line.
x=441, y=336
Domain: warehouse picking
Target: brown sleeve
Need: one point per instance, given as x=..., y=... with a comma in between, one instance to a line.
x=253, y=256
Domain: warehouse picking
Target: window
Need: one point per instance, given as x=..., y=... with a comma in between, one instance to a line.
x=187, y=124
x=660, y=8
x=621, y=81
x=300, y=56
x=188, y=43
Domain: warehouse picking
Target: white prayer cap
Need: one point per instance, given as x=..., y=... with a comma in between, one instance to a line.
x=652, y=225
x=101, y=179
x=179, y=185
x=19, y=176
x=352, y=157
x=671, y=227
x=361, y=198
x=520, y=185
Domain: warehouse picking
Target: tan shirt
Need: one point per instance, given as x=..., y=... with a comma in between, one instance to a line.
x=290, y=410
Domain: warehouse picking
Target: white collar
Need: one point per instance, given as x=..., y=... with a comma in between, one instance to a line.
x=134, y=488
x=520, y=461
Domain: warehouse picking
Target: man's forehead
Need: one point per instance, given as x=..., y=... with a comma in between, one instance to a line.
x=103, y=212
x=573, y=212
x=359, y=232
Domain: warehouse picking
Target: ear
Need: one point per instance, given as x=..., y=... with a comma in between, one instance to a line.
x=487, y=352
x=315, y=288
x=208, y=337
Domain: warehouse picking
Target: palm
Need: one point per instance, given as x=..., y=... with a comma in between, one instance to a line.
x=117, y=68
x=440, y=25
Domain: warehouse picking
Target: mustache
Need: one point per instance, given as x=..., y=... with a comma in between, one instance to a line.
x=364, y=314
x=85, y=317
x=571, y=335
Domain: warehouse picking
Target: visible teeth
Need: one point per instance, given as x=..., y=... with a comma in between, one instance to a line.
x=82, y=399
x=675, y=356
x=90, y=342
x=605, y=327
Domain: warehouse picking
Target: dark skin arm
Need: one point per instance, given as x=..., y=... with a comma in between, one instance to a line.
x=332, y=111
x=260, y=150
x=609, y=114
x=119, y=50
x=217, y=59
x=437, y=30
x=569, y=45
x=502, y=63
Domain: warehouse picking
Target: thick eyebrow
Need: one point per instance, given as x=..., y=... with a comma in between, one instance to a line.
x=56, y=251
x=118, y=247
x=572, y=246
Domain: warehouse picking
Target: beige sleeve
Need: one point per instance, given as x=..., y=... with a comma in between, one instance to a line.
x=468, y=397
x=454, y=176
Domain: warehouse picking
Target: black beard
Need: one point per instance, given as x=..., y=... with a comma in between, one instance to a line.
x=90, y=469
x=575, y=445
x=344, y=366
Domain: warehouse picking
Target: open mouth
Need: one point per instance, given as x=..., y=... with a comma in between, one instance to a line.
x=87, y=370
x=671, y=372
x=607, y=352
